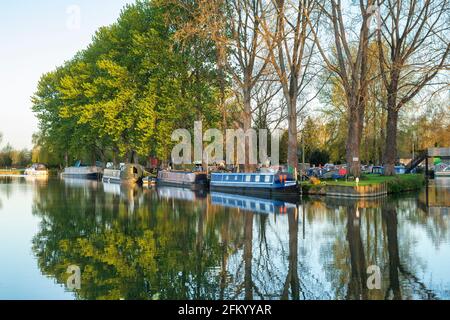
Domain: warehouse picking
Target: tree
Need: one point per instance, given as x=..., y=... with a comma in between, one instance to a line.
x=6, y=156
x=413, y=48
x=124, y=95
x=290, y=54
x=319, y=157
x=235, y=28
x=350, y=66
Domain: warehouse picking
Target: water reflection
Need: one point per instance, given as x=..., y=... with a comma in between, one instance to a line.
x=170, y=243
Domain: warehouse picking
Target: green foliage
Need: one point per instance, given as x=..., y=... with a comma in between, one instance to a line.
x=319, y=157
x=402, y=183
x=6, y=156
x=128, y=91
x=10, y=157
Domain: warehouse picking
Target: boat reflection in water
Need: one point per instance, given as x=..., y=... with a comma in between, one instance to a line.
x=257, y=205
x=168, y=193
x=80, y=183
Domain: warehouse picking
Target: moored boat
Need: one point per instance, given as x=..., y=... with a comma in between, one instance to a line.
x=185, y=179
x=443, y=173
x=37, y=169
x=267, y=183
x=127, y=174
x=92, y=172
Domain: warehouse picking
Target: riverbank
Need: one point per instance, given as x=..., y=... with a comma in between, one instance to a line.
x=368, y=186
x=11, y=171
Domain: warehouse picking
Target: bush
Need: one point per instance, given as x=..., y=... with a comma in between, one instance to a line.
x=405, y=183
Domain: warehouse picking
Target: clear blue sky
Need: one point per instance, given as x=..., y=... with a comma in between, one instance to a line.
x=35, y=37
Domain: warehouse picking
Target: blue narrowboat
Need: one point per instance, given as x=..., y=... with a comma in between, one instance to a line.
x=268, y=184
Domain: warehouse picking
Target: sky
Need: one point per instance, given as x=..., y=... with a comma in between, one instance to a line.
x=35, y=38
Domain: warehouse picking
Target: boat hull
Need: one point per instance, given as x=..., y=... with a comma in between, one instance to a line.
x=89, y=173
x=190, y=180
x=187, y=185
x=36, y=173
x=118, y=177
x=87, y=176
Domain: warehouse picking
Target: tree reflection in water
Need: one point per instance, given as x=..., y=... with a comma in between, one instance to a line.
x=176, y=244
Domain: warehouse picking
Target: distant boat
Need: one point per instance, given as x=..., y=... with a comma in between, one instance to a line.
x=37, y=169
x=380, y=170
x=128, y=174
x=268, y=184
x=83, y=172
x=192, y=180
x=443, y=173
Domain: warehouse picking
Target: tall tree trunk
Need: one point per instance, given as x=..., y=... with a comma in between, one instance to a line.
x=292, y=159
x=390, y=152
x=247, y=123
x=133, y=157
x=353, y=141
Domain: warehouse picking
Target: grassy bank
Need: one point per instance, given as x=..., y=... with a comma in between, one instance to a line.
x=396, y=184
x=9, y=171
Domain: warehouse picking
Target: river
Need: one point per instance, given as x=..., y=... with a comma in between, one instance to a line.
x=169, y=243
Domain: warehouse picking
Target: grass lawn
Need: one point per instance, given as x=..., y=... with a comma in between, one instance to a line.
x=373, y=179
x=395, y=184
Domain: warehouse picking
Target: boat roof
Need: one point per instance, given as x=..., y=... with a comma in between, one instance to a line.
x=249, y=173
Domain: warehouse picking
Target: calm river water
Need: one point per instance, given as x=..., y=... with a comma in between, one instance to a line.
x=168, y=243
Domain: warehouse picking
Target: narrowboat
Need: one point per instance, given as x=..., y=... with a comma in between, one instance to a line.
x=127, y=174
x=185, y=179
x=252, y=204
x=37, y=169
x=91, y=173
x=268, y=184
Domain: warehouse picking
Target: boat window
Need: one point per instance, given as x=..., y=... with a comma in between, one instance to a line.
x=248, y=178
x=236, y=178
x=268, y=179
x=257, y=178
x=227, y=178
